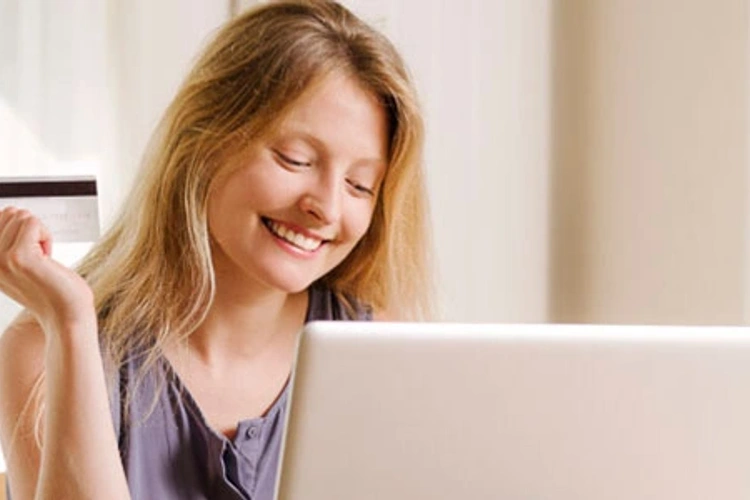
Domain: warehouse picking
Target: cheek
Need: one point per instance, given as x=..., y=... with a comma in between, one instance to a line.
x=229, y=210
x=358, y=222
x=270, y=189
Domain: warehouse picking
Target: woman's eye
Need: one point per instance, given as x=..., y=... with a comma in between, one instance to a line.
x=361, y=188
x=292, y=161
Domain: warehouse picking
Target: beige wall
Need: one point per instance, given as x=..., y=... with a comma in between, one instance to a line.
x=587, y=160
x=650, y=161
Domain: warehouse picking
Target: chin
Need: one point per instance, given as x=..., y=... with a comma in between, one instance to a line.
x=291, y=285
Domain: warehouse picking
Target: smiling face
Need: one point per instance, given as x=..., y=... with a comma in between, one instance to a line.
x=290, y=207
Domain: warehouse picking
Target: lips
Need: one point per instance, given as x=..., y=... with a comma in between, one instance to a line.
x=303, y=242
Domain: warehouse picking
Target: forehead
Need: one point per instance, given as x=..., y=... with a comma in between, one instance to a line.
x=342, y=114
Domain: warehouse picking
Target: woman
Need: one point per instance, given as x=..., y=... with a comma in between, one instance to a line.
x=283, y=185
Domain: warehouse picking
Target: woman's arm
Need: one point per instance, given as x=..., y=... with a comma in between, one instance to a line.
x=77, y=456
x=21, y=365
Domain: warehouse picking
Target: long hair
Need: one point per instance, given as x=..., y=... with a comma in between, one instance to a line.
x=152, y=273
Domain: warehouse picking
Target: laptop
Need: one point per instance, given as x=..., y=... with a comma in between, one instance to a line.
x=455, y=411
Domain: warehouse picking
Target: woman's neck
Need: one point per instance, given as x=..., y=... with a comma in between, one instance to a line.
x=249, y=324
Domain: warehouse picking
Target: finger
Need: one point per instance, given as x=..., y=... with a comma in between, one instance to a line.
x=7, y=214
x=8, y=211
x=46, y=243
x=26, y=263
x=21, y=250
x=45, y=239
x=31, y=235
x=11, y=225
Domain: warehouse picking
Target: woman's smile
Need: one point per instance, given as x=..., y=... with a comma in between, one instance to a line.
x=300, y=239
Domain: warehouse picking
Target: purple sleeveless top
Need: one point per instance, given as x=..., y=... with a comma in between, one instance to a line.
x=175, y=454
x=172, y=453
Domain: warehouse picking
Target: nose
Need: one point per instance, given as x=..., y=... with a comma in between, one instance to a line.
x=323, y=199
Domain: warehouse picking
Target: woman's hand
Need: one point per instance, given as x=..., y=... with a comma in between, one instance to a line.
x=57, y=296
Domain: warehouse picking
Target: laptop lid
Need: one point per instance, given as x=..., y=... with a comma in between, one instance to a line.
x=453, y=411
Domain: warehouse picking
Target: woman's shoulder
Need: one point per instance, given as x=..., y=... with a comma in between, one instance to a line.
x=22, y=347
x=22, y=352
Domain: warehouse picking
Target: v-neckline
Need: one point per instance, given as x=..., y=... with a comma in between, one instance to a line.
x=273, y=408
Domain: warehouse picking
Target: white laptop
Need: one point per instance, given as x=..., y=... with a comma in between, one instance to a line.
x=471, y=412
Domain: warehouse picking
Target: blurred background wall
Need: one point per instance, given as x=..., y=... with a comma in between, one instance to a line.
x=587, y=159
x=649, y=171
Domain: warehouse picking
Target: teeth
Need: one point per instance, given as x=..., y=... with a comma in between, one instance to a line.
x=299, y=240
x=296, y=239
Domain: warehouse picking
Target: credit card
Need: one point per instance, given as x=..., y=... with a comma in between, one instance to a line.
x=67, y=206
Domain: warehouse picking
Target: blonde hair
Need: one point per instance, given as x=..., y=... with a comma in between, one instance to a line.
x=152, y=272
